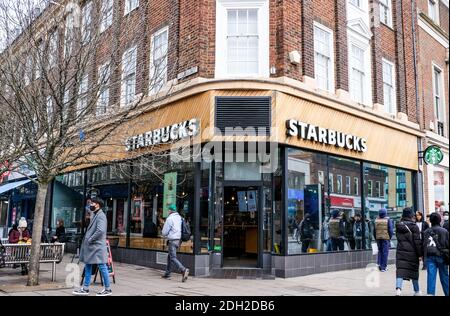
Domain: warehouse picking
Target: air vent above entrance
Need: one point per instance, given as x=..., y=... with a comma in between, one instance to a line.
x=243, y=112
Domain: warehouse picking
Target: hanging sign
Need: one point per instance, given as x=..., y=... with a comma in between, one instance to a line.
x=433, y=155
x=170, y=192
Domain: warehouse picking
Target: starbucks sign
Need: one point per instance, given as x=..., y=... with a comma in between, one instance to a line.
x=433, y=155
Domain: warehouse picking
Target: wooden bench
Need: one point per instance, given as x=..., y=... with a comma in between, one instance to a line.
x=20, y=254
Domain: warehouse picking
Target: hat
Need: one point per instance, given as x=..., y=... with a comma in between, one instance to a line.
x=22, y=223
x=382, y=212
x=98, y=201
x=435, y=219
x=408, y=212
x=172, y=208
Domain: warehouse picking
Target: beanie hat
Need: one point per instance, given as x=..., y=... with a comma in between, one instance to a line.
x=408, y=212
x=435, y=219
x=22, y=223
x=382, y=213
x=335, y=213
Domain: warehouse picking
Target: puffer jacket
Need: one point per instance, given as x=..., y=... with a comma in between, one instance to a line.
x=409, y=250
x=429, y=245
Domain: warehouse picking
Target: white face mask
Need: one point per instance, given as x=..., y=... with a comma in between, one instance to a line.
x=446, y=218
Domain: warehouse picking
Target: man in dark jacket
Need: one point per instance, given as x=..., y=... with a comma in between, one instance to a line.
x=383, y=232
x=435, y=241
x=409, y=251
x=306, y=232
x=445, y=220
x=94, y=249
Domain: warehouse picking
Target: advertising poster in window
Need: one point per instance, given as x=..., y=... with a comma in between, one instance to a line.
x=251, y=199
x=242, y=201
x=170, y=192
x=137, y=208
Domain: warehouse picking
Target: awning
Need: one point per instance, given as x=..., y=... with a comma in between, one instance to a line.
x=12, y=185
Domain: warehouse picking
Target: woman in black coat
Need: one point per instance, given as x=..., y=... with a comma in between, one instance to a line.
x=409, y=251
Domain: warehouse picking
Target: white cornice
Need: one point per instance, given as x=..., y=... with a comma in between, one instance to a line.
x=432, y=32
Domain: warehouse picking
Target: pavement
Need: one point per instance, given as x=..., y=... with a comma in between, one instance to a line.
x=132, y=280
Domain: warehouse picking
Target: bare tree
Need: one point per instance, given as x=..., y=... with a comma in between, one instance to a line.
x=56, y=107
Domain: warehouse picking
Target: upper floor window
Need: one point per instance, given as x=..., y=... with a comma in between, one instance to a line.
x=130, y=5
x=389, y=87
x=356, y=185
x=69, y=35
x=86, y=22
x=242, y=39
x=331, y=182
x=107, y=14
x=386, y=12
x=339, y=183
x=158, y=60
x=40, y=55
x=104, y=73
x=28, y=71
x=358, y=74
x=128, y=90
x=370, y=188
x=82, y=95
x=49, y=106
x=433, y=10
x=323, y=57
x=438, y=97
x=348, y=185
x=53, y=49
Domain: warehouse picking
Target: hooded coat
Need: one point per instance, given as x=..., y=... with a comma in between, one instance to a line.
x=409, y=249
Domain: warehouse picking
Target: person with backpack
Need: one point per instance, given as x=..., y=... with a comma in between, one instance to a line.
x=337, y=231
x=306, y=232
x=173, y=232
x=409, y=251
x=436, y=253
x=384, y=230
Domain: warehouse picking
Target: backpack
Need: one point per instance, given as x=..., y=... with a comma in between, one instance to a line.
x=185, y=231
x=434, y=244
x=307, y=231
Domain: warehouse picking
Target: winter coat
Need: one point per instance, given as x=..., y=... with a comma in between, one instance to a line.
x=306, y=230
x=348, y=224
x=445, y=225
x=441, y=235
x=358, y=230
x=93, y=248
x=409, y=250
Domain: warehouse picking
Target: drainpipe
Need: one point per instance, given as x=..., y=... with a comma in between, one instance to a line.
x=420, y=183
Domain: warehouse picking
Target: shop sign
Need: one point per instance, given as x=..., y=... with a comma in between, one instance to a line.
x=164, y=135
x=341, y=201
x=325, y=136
x=433, y=155
x=170, y=192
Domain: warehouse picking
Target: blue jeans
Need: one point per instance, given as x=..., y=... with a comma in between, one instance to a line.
x=433, y=265
x=172, y=257
x=383, y=253
x=399, y=284
x=88, y=274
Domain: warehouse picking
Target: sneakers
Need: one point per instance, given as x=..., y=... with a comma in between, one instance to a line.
x=398, y=292
x=81, y=292
x=185, y=275
x=105, y=292
x=418, y=293
x=165, y=276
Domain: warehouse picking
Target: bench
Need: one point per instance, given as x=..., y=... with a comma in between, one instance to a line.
x=20, y=254
x=4, y=240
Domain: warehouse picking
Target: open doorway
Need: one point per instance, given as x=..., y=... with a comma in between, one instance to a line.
x=240, y=235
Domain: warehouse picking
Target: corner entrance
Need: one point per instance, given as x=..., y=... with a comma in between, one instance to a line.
x=241, y=233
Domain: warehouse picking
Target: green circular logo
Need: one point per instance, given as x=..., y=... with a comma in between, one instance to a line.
x=433, y=155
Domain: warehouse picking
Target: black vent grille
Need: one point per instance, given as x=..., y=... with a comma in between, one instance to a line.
x=243, y=112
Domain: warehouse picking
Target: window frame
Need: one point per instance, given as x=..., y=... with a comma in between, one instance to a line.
x=393, y=106
x=103, y=90
x=330, y=74
x=222, y=7
x=439, y=113
x=86, y=22
x=128, y=8
x=388, y=8
x=125, y=77
x=339, y=184
x=433, y=10
x=83, y=94
x=367, y=82
x=152, y=89
x=107, y=14
x=348, y=185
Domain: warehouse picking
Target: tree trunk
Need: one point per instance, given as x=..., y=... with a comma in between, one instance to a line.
x=33, y=274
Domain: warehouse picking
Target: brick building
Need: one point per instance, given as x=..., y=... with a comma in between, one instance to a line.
x=333, y=85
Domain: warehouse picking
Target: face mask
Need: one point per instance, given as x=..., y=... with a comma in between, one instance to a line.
x=445, y=218
x=92, y=208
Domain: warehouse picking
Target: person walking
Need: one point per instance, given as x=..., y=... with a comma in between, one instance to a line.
x=306, y=232
x=383, y=232
x=358, y=233
x=423, y=226
x=172, y=232
x=409, y=252
x=94, y=249
x=436, y=247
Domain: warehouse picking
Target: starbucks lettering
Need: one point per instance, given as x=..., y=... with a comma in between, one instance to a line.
x=325, y=136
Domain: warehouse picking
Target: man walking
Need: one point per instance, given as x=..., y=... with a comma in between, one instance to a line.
x=94, y=250
x=172, y=232
x=384, y=230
